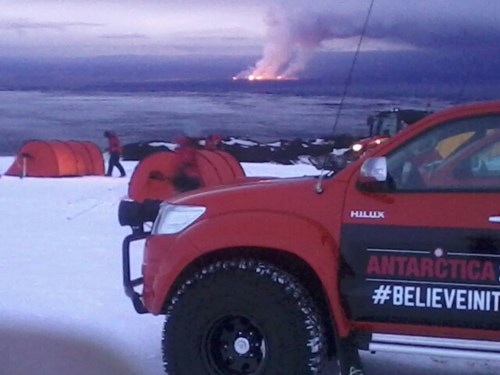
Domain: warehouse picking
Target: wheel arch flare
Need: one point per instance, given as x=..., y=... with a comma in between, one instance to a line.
x=297, y=245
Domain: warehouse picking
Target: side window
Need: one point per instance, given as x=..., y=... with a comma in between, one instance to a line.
x=485, y=164
x=461, y=155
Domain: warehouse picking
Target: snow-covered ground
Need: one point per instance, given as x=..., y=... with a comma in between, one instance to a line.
x=62, y=306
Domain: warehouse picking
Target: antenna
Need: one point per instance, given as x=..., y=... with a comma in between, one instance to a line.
x=319, y=187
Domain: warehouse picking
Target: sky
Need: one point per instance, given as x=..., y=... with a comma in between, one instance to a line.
x=282, y=35
x=92, y=27
x=89, y=27
x=62, y=305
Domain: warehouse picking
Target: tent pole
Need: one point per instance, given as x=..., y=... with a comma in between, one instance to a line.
x=23, y=174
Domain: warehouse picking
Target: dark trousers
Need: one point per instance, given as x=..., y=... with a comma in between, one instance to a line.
x=114, y=161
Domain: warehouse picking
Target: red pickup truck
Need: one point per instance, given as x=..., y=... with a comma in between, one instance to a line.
x=399, y=251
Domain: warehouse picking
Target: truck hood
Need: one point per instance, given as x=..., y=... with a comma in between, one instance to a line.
x=295, y=196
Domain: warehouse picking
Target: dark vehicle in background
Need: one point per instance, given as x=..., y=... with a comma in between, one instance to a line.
x=381, y=126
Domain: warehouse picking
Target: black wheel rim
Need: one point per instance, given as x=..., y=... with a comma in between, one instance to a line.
x=235, y=346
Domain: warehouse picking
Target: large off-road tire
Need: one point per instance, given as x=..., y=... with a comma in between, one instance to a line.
x=242, y=317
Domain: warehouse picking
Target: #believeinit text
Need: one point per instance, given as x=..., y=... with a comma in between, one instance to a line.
x=437, y=298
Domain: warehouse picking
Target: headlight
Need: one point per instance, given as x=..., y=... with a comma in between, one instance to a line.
x=357, y=147
x=175, y=218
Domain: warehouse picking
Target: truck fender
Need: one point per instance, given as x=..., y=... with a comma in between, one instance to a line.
x=298, y=235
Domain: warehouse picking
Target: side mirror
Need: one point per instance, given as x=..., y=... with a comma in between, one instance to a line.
x=373, y=174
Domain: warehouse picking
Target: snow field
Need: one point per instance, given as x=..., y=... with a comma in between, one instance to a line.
x=62, y=305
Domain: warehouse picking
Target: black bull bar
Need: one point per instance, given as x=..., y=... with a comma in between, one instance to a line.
x=135, y=214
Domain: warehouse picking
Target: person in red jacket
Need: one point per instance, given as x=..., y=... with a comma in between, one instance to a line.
x=115, y=151
x=213, y=142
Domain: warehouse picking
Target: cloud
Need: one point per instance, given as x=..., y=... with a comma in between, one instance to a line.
x=130, y=36
x=25, y=25
x=453, y=26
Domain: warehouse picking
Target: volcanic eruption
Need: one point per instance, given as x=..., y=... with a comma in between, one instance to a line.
x=292, y=37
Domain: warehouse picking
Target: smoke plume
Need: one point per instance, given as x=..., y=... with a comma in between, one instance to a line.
x=294, y=34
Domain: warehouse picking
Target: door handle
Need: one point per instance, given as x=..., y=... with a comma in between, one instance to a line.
x=494, y=219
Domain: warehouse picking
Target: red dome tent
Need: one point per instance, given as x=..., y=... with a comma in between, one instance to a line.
x=151, y=178
x=65, y=158
x=233, y=164
x=84, y=164
x=95, y=157
x=57, y=159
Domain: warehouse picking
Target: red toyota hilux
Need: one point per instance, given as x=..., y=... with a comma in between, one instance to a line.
x=399, y=251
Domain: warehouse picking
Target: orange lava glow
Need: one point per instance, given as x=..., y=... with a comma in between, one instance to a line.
x=253, y=77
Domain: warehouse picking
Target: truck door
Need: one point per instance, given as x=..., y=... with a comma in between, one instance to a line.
x=423, y=247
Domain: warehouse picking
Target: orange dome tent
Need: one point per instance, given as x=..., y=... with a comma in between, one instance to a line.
x=233, y=164
x=57, y=159
x=84, y=166
x=152, y=177
x=95, y=157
